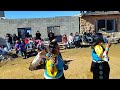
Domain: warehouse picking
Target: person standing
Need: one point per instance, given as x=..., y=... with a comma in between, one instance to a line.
x=77, y=40
x=100, y=59
x=54, y=59
x=17, y=47
x=15, y=37
x=23, y=48
x=7, y=39
x=38, y=35
x=51, y=35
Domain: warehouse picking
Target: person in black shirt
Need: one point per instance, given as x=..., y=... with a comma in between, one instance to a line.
x=51, y=35
x=15, y=38
x=38, y=35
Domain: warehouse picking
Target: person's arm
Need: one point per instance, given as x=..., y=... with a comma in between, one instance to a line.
x=107, y=48
x=40, y=34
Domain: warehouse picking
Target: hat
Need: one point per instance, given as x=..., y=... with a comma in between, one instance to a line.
x=98, y=38
x=53, y=43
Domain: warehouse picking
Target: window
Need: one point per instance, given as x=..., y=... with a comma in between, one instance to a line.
x=105, y=25
x=101, y=25
x=110, y=25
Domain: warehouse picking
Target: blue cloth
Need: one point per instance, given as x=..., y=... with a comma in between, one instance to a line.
x=76, y=38
x=105, y=40
x=60, y=68
x=22, y=46
x=95, y=56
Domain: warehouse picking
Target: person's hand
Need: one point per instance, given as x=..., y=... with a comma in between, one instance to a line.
x=108, y=45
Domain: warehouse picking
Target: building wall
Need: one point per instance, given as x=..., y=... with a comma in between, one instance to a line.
x=87, y=22
x=67, y=25
x=2, y=14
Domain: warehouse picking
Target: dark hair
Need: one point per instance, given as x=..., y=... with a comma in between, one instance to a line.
x=52, y=45
x=96, y=41
x=71, y=33
x=94, y=44
x=53, y=42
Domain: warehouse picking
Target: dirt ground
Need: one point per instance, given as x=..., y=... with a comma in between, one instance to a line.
x=79, y=61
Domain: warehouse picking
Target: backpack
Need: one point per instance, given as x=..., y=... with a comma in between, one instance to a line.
x=48, y=66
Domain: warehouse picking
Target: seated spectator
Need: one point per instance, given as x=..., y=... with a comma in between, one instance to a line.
x=77, y=40
x=64, y=41
x=71, y=40
x=39, y=44
x=3, y=50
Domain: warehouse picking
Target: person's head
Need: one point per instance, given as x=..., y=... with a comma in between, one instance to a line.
x=14, y=34
x=37, y=31
x=21, y=39
x=54, y=47
x=2, y=46
x=50, y=31
x=17, y=41
x=71, y=34
x=64, y=35
x=76, y=33
x=97, y=41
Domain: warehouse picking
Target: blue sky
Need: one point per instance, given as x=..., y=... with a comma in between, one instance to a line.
x=38, y=14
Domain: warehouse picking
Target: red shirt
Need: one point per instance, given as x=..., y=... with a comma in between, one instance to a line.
x=26, y=41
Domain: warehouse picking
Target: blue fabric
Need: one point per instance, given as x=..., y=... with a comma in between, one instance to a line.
x=23, y=46
x=105, y=40
x=76, y=38
x=95, y=56
x=60, y=68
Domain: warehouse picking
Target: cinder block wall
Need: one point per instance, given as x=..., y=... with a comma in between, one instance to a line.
x=67, y=25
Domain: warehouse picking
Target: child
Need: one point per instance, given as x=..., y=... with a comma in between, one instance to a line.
x=23, y=48
x=17, y=47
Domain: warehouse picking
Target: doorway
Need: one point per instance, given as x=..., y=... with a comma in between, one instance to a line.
x=24, y=32
x=56, y=31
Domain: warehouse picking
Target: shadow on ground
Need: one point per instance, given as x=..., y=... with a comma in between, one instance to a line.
x=67, y=61
x=85, y=46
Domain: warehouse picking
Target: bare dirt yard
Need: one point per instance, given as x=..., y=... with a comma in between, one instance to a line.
x=79, y=61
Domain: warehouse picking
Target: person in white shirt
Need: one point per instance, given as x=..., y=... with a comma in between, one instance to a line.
x=71, y=40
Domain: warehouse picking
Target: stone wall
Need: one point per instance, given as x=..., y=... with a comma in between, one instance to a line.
x=89, y=22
